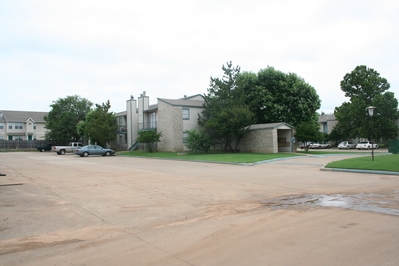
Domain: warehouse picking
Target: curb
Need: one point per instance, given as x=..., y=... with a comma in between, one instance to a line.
x=360, y=171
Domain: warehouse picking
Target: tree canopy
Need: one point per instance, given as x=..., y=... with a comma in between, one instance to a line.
x=99, y=125
x=274, y=96
x=225, y=115
x=63, y=117
x=365, y=87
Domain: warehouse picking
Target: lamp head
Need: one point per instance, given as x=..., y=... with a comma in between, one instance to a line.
x=370, y=109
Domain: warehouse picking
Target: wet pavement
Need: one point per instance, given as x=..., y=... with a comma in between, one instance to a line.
x=368, y=202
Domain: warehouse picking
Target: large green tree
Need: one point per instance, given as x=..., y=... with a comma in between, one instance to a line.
x=63, y=117
x=99, y=125
x=365, y=87
x=274, y=96
x=225, y=116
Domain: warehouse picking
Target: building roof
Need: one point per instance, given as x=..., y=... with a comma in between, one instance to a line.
x=183, y=102
x=325, y=118
x=23, y=116
x=279, y=125
x=123, y=113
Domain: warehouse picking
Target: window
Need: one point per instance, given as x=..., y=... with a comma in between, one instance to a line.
x=153, y=120
x=10, y=126
x=19, y=125
x=185, y=136
x=325, y=128
x=34, y=125
x=1, y=125
x=186, y=113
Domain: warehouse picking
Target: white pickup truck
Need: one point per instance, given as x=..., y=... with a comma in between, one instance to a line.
x=61, y=150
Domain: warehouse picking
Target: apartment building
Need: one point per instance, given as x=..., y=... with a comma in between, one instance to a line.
x=22, y=125
x=172, y=117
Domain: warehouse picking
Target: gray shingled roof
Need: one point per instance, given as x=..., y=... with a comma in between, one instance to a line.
x=23, y=116
x=182, y=102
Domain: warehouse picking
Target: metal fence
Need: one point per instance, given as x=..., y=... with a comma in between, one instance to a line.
x=22, y=144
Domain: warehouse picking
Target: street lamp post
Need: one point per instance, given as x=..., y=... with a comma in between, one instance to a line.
x=370, y=109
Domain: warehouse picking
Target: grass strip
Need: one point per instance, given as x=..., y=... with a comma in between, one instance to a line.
x=380, y=163
x=212, y=157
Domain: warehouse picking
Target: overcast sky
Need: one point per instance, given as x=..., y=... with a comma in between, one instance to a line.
x=109, y=50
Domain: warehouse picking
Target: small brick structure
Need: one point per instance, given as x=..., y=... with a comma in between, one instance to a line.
x=268, y=138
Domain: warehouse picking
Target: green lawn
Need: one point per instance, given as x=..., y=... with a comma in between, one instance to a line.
x=380, y=163
x=212, y=157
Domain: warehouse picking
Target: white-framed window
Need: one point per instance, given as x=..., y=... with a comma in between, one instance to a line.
x=153, y=120
x=18, y=138
x=185, y=136
x=34, y=125
x=19, y=125
x=10, y=126
x=186, y=113
x=1, y=125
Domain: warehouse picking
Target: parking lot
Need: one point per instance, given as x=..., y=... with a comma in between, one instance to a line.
x=68, y=210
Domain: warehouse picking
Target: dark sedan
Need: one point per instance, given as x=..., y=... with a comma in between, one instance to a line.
x=93, y=150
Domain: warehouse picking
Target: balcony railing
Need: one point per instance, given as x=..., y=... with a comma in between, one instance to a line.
x=122, y=129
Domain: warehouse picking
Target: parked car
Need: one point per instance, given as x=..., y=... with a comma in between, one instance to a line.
x=320, y=145
x=93, y=150
x=61, y=150
x=366, y=145
x=346, y=145
x=46, y=147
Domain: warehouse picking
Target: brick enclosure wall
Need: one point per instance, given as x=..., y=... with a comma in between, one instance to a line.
x=261, y=141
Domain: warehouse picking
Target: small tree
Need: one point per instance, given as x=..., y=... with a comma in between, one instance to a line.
x=149, y=137
x=306, y=132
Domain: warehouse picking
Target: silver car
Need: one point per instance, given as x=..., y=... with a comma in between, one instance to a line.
x=346, y=145
x=93, y=150
x=320, y=145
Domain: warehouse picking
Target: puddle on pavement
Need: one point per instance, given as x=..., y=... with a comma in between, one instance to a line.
x=369, y=202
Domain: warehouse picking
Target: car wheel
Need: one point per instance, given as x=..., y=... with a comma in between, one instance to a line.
x=85, y=154
x=108, y=153
x=62, y=152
